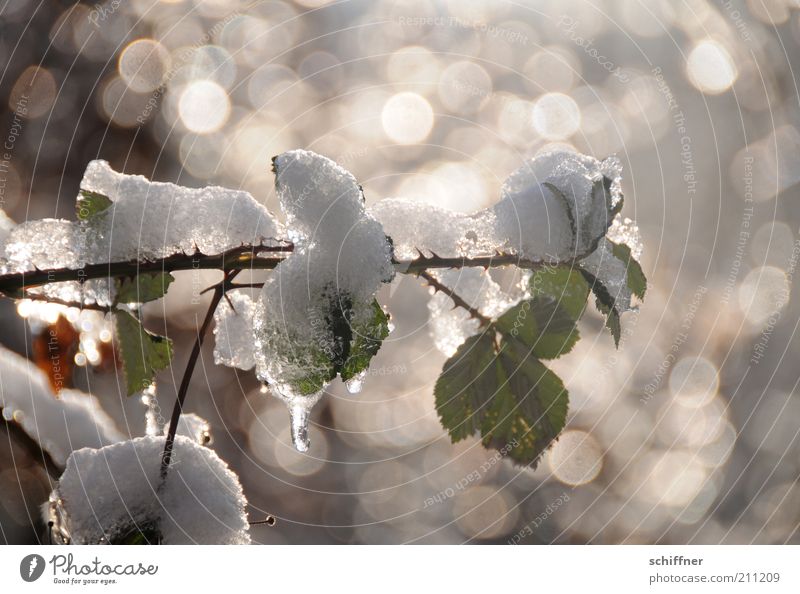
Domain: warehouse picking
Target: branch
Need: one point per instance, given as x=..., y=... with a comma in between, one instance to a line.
x=219, y=291
x=428, y=262
x=457, y=299
x=239, y=258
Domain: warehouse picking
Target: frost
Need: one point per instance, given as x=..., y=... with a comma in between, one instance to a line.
x=115, y=494
x=233, y=332
x=307, y=317
x=60, y=424
x=553, y=208
x=145, y=220
x=450, y=326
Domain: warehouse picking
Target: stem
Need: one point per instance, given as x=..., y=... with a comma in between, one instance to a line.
x=239, y=258
x=457, y=299
x=219, y=291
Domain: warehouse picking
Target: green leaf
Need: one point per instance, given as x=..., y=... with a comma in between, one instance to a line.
x=547, y=323
x=467, y=380
x=89, y=204
x=366, y=341
x=606, y=304
x=636, y=280
x=504, y=393
x=143, y=353
x=144, y=287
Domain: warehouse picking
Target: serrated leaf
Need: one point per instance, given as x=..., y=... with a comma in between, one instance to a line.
x=508, y=396
x=636, y=280
x=467, y=380
x=143, y=353
x=89, y=204
x=606, y=305
x=547, y=323
x=366, y=341
x=144, y=287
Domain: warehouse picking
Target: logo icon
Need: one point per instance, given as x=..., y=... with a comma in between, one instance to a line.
x=31, y=567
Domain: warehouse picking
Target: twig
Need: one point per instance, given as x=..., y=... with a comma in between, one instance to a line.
x=239, y=258
x=75, y=304
x=219, y=291
x=457, y=299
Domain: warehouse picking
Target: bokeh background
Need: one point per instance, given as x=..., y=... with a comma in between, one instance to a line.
x=686, y=434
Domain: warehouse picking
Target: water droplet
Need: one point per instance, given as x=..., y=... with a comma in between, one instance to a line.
x=355, y=383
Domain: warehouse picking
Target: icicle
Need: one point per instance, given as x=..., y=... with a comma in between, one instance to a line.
x=299, y=413
x=153, y=425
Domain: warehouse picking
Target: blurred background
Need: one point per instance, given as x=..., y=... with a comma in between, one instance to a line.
x=686, y=434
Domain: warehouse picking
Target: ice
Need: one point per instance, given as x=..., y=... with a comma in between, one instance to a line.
x=611, y=272
x=60, y=424
x=115, y=493
x=146, y=220
x=624, y=230
x=233, y=332
x=355, y=383
x=450, y=326
x=194, y=427
x=540, y=205
x=315, y=297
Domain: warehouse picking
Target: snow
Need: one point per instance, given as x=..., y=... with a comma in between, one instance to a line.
x=419, y=226
x=450, y=326
x=146, y=220
x=111, y=493
x=60, y=424
x=341, y=257
x=532, y=219
x=233, y=332
x=6, y=225
x=155, y=219
x=612, y=273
